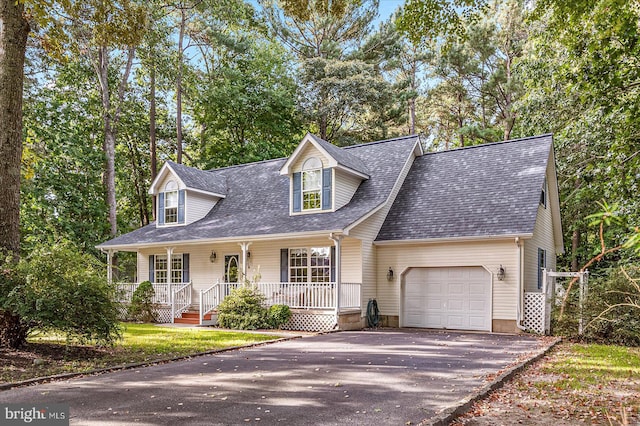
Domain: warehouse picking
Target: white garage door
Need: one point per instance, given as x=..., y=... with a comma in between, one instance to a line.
x=453, y=298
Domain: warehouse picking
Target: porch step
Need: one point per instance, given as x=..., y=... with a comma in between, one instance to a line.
x=191, y=317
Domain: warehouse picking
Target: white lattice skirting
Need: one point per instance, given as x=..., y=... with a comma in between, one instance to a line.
x=310, y=322
x=534, y=312
x=164, y=313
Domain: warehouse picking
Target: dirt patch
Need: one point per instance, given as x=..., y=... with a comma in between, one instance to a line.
x=538, y=397
x=45, y=359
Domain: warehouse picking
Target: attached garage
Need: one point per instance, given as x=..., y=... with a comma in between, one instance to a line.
x=456, y=298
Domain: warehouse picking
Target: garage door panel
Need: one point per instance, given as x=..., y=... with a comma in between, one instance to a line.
x=455, y=298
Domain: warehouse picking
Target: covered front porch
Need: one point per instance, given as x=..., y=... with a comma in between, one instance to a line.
x=315, y=306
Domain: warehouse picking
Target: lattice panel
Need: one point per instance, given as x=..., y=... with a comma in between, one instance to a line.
x=310, y=322
x=164, y=314
x=534, y=312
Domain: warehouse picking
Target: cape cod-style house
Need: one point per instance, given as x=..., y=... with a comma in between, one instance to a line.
x=454, y=239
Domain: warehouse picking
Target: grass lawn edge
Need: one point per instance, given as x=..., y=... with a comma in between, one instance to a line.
x=451, y=413
x=98, y=371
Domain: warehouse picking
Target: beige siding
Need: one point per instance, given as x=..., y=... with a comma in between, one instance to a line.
x=489, y=254
x=169, y=176
x=308, y=151
x=542, y=238
x=197, y=206
x=367, y=231
x=345, y=185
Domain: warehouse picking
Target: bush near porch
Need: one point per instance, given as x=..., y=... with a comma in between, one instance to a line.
x=243, y=309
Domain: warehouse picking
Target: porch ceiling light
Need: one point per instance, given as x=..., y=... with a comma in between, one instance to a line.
x=390, y=274
x=501, y=273
x=213, y=256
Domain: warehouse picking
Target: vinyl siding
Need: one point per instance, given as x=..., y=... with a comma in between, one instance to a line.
x=308, y=151
x=489, y=254
x=542, y=238
x=345, y=185
x=197, y=206
x=367, y=231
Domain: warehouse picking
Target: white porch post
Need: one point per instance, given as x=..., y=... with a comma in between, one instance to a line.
x=110, y=254
x=337, y=241
x=245, y=249
x=169, y=287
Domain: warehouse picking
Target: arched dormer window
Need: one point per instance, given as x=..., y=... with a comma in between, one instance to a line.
x=171, y=203
x=312, y=184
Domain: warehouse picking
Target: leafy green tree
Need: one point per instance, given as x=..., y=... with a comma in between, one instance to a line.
x=249, y=107
x=582, y=85
x=57, y=288
x=338, y=85
x=428, y=20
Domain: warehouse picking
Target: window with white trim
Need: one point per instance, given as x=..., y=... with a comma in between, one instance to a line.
x=161, y=271
x=310, y=265
x=312, y=184
x=171, y=202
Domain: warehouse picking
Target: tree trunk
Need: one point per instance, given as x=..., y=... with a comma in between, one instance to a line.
x=14, y=30
x=109, y=142
x=575, y=245
x=412, y=100
x=183, y=22
x=152, y=131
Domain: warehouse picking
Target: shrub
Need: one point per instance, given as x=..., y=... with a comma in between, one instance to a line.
x=142, y=307
x=58, y=288
x=278, y=315
x=244, y=309
x=611, y=311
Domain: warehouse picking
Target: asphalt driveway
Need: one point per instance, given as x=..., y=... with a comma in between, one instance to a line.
x=387, y=377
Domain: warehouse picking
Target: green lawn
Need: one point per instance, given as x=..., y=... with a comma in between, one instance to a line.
x=140, y=343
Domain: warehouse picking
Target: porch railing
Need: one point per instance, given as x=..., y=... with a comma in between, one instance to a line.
x=295, y=295
x=181, y=300
x=162, y=291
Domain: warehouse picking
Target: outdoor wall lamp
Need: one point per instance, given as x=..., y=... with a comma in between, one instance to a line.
x=390, y=274
x=501, y=272
x=213, y=256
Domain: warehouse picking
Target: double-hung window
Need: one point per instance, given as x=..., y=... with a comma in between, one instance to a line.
x=310, y=265
x=312, y=184
x=159, y=268
x=171, y=203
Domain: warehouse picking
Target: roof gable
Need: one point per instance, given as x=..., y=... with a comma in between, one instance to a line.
x=480, y=191
x=336, y=156
x=190, y=178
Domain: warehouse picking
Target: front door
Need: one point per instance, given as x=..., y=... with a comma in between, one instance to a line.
x=231, y=262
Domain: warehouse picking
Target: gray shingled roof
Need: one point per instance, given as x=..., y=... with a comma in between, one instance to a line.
x=257, y=200
x=343, y=156
x=484, y=190
x=199, y=179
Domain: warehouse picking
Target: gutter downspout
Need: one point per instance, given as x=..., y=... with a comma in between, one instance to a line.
x=337, y=241
x=520, y=304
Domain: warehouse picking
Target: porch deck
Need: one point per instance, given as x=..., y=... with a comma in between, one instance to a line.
x=314, y=305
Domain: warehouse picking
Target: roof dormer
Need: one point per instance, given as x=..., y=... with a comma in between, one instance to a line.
x=323, y=177
x=184, y=194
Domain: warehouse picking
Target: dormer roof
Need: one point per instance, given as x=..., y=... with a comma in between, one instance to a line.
x=337, y=157
x=191, y=178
